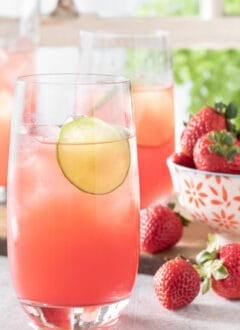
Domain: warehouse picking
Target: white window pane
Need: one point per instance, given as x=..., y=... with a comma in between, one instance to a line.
x=10, y=8
x=13, y=8
x=48, y=6
x=107, y=7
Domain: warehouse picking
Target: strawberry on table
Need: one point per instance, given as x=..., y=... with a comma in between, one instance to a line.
x=230, y=286
x=160, y=228
x=218, y=151
x=205, y=120
x=219, y=267
x=176, y=283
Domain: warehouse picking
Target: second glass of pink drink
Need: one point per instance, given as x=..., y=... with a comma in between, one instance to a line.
x=17, y=39
x=146, y=60
x=73, y=200
x=14, y=60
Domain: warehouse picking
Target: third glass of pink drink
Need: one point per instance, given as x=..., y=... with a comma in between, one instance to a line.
x=146, y=60
x=14, y=60
x=73, y=199
x=18, y=35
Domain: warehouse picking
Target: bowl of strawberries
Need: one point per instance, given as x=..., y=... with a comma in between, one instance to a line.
x=206, y=171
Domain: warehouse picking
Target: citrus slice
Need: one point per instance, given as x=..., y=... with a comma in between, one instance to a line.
x=93, y=155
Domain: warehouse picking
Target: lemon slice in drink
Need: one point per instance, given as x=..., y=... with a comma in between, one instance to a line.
x=93, y=155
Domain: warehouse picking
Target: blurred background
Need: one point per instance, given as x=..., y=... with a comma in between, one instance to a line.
x=204, y=33
x=205, y=42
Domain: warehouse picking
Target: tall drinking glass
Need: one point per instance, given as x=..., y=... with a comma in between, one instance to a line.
x=18, y=35
x=73, y=200
x=146, y=60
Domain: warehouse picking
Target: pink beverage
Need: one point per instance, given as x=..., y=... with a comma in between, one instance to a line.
x=61, y=241
x=12, y=64
x=73, y=201
x=154, y=117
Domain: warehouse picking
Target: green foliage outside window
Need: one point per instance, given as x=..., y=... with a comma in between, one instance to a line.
x=166, y=7
x=232, y=7
x=214, y=75
x=181, y=7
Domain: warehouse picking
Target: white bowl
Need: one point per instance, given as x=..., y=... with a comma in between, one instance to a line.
x=211, y=198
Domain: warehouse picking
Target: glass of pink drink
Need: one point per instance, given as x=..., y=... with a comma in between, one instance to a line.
x=17, y=38
x=13, y=62
x=73, y=199
x=146, y=60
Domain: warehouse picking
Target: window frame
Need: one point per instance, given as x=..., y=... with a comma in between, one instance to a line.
x=213, y=31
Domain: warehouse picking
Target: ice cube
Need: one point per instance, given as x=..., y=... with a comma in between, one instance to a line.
x=47, y=134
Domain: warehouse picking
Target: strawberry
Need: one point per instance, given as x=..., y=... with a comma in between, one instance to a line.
x=176, y=283
x=182, y=159
x=205, y=120
x=160, y=228
x=230, y=286
x=220, y=268
x=217, y=151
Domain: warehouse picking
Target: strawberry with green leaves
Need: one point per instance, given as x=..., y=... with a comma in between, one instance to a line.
x=219, y=267
x=176, y=283
x=205, y=120
x=217, y=151
x=160, y=228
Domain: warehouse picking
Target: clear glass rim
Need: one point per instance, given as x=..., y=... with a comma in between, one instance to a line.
x=73, y=79
x=159, y=33
x=154, y=39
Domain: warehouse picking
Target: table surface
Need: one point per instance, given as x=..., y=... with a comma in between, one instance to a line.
x=144, y=312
